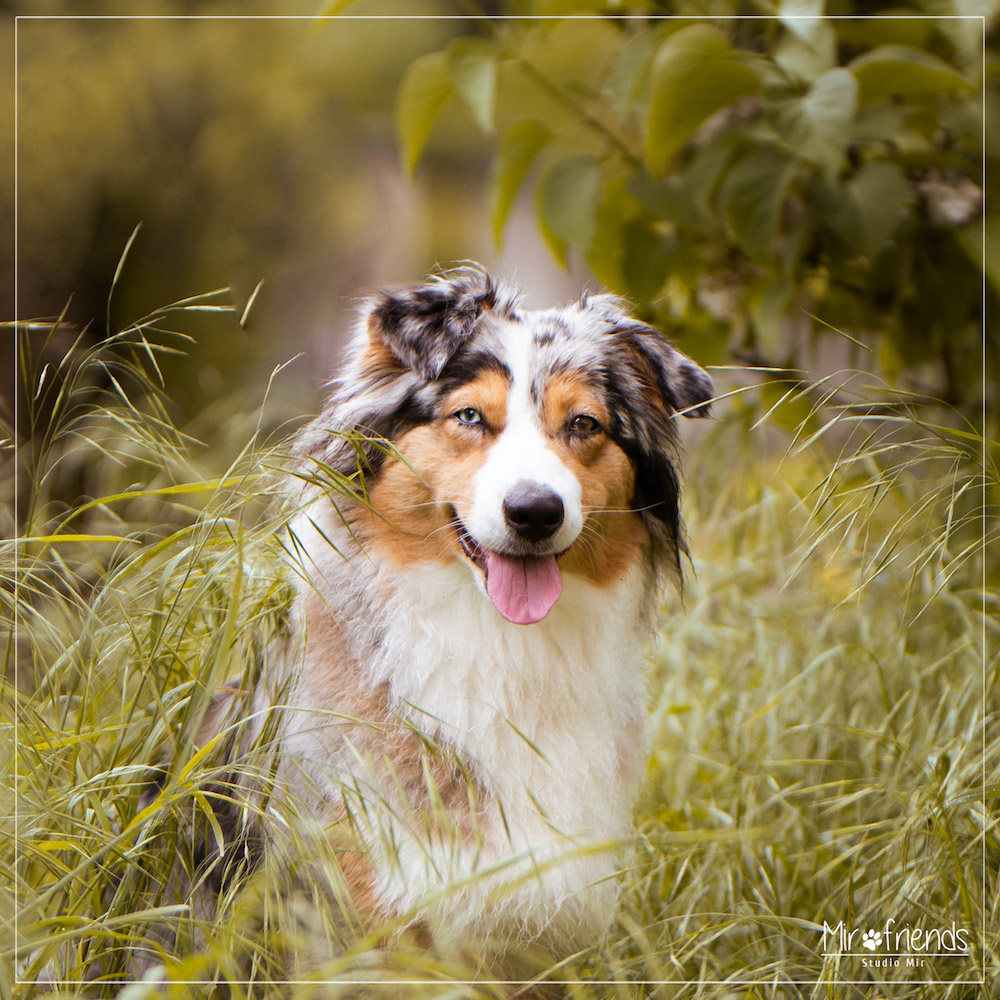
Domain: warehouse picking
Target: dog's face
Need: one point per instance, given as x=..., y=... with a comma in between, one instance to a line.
x=532, y=443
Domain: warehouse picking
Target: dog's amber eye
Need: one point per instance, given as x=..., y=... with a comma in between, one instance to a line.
x=467, y=415
x=584, y=424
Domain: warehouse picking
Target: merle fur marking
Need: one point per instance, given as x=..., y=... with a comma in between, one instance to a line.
x=425, y=326
x=445, y=333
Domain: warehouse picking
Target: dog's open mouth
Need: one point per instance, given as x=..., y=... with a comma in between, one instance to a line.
x=522, y=588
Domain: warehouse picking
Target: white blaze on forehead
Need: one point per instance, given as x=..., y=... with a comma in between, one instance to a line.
x=521, y=452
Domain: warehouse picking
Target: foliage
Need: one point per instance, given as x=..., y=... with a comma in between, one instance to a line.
x=249, y=148
x=734, y=175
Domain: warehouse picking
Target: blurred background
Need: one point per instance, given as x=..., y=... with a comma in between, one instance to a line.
x=749, y=183
x=249, y=151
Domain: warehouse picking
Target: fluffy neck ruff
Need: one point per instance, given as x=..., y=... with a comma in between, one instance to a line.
x=547, y=718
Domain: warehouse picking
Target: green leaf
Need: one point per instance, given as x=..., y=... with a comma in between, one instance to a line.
x=627, y=76
x=804, y=18
x=606, y=252
x=646, y=259
x=873, y=206
x=819, y=126
x=473, y=64
x=769, y=303
x=424, y=91
x=898, y=69
x=701, y=174
x=866, y=33
x=971, y=237
x=519, y=149
x=695, y=73
x=669, y=199
x=881, y=191
x=832, y=100
x=630, y=247
x=567, y=199
x=753, y=194
x=558, y=246
x=807, y=61
x=573, y=51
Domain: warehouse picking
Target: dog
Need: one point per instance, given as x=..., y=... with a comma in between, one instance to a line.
x=487, y=508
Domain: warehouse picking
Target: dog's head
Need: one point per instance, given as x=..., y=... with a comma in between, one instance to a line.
x=532, y=443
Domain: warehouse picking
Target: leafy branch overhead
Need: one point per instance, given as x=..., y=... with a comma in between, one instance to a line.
x=734, y=176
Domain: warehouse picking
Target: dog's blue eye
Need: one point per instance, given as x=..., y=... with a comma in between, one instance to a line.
x=584, y=424
x=467, y=415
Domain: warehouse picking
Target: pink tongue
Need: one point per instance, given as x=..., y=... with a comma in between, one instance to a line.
x=522, y=588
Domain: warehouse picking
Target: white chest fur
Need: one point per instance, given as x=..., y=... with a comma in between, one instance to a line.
x=550, y=715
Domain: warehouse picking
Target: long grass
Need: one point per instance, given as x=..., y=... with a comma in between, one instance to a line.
x=823, y=726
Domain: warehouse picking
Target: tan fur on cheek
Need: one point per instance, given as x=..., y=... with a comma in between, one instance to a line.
x=613, y=535
x=413, y=504
x=414, y=501
x=407, y=523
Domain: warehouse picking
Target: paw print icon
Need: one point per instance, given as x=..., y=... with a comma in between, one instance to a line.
x=871, y=939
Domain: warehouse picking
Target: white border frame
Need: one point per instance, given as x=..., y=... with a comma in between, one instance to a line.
x=770, y=981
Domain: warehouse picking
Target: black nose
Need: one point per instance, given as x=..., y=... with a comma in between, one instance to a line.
x=533, y=511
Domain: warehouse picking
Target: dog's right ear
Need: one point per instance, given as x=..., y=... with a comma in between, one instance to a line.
x=424, y=326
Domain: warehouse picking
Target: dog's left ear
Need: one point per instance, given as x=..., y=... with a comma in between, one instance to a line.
x=425, y=325
x=678, y=382
x=667, y=378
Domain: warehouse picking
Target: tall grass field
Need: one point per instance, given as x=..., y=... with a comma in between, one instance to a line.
x=820, y=814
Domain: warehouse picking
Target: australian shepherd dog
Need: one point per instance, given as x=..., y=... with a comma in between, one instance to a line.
x=467, y=690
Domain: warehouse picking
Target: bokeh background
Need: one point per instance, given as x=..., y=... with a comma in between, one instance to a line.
x=812, y=166
x=249, y=150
